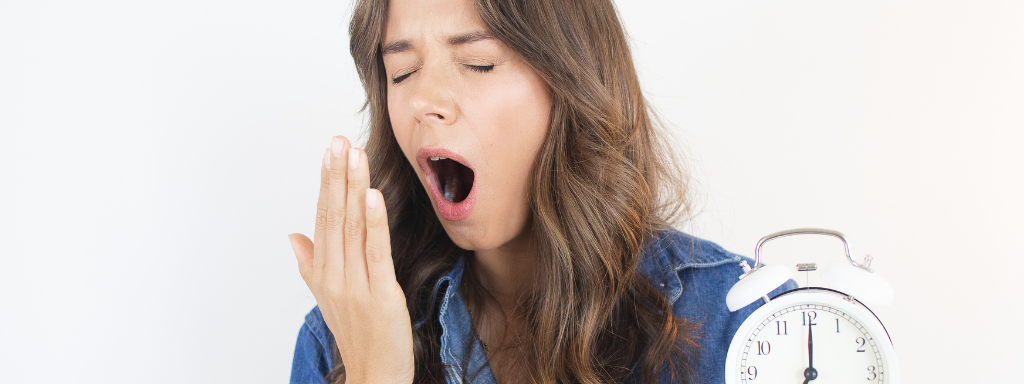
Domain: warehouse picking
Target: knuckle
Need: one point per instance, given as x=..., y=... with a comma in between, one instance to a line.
x=334, y=222
x=374, y=253
x=338, y=174
x=321, y=217
x=353, y=228
x=335, y=218
x=374, y=221
x=357, y=184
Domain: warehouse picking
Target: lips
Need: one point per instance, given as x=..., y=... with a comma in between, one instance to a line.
x=451, y=180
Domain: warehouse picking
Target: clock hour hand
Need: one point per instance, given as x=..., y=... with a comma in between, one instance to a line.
x=810, y=373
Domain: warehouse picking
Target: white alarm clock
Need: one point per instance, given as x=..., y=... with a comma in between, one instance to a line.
x=811, y=335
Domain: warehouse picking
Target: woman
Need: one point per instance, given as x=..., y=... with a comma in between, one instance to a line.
x=517, y=229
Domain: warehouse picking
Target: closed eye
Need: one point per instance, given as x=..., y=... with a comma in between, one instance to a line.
x=480, y=68
x=399, y=79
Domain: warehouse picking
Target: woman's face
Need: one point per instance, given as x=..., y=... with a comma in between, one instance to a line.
x=470, y=116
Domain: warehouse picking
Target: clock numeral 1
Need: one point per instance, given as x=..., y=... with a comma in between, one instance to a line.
x=837, y=325
x=861, y=341
x=809, y=317
x=763, y=348
x=871, y=373
x=781, y=329
x=751, y=372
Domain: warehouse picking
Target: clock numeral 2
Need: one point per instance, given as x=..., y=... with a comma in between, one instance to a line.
x=763, y=348
x=751, y=372
x=809, y=317
x=861, y=341
x=781, y=329
x=871, y=373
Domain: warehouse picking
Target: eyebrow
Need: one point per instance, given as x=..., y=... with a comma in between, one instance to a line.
x=460, y=39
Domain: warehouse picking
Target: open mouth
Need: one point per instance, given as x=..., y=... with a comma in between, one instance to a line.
x=453, y=179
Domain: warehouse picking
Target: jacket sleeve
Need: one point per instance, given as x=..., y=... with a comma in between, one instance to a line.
x=312, y=360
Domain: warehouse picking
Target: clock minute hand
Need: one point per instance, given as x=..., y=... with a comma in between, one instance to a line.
x=810, y=373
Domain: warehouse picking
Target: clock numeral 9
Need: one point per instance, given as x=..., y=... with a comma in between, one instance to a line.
x=751, y=372
x=871, y=373
x=861, y=341
x=763, y=348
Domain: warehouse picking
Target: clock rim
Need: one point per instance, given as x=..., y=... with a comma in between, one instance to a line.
x=815, y=295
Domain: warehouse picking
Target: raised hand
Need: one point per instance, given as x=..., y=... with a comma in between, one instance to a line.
x=351, y=274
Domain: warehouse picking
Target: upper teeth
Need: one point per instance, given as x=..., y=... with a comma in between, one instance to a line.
x=436, y=158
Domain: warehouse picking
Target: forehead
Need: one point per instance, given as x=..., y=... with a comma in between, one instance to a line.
x=416, y=20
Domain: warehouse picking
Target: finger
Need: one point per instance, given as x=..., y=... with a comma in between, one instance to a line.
x=380, y=268
x=303, y=249
x=320, y=232
x=335, y=236
x=355, y=219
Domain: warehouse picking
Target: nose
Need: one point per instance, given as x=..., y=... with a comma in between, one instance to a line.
x=432, y=99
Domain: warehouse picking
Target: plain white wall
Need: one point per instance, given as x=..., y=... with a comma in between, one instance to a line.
x=155, y=154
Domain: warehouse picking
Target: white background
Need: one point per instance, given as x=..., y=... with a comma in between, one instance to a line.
x=154, y=155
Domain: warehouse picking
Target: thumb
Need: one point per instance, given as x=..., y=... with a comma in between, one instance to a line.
x=303, y=249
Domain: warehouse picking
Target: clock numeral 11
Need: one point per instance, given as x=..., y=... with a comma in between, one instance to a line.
x=780, y=329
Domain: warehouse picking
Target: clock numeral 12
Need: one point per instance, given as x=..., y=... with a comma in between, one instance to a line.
x=809, y=317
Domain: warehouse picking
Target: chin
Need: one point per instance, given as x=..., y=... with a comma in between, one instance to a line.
x=472, y=237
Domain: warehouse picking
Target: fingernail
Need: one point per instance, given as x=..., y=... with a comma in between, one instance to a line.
x=336, y=145
x=353, y=158
x=327, y=158
x=371, y=198
x=292, y=242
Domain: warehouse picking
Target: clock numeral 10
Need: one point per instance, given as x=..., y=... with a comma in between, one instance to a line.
x=781, y=329
x=763, y=348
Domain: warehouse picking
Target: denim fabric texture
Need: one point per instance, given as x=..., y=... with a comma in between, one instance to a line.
x=693, y=274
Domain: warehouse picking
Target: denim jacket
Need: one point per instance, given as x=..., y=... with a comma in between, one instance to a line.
x=693, y=274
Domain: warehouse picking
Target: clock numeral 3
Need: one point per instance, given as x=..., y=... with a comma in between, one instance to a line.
x=871, y=373
x=861, y=341
x=763, y=348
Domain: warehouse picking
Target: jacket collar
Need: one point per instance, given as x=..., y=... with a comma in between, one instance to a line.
x=672, y=251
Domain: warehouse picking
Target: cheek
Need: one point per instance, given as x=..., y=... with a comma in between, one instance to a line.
x=514, y=112
x=517, y=114
x=402, y=128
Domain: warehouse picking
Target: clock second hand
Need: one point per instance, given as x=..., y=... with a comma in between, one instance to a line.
x=810, y=373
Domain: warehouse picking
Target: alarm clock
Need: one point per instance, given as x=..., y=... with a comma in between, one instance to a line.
x=811, y=335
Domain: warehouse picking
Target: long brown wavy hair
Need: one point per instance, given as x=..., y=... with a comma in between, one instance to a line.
x=603, y=185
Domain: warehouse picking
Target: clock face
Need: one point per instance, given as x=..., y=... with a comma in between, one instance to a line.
x=814, y=338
